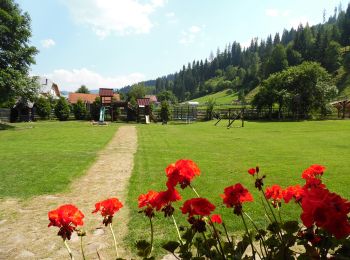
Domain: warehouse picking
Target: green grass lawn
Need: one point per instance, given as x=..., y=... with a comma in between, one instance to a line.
x=44, y=157
x=221, y=98
x=282, y=150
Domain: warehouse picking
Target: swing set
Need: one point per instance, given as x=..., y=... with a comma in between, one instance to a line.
x=232, y=115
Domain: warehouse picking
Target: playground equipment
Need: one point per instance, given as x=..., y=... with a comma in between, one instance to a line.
x=232, y=115
x=186, y=112
x=102, y=114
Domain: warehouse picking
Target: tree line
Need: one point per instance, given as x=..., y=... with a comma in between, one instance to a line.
x=243, y=69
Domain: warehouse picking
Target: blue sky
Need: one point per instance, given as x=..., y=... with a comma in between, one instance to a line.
x=112, y=43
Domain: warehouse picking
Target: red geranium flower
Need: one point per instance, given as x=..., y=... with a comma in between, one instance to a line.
x=67, y=218
x=313, y=171
x=290, y=192
x=108, y=207
x=182, y=172
x=197, y=206
x=252, y=171
x=216, y=218
x=275, y=193
x=235, y=195
x=166, y=197
x=327, y=210
x=148, y=200
x=313, y=183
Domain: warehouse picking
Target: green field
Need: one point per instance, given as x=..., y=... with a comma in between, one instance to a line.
x=221, y=98
x=282, y=150
x=43, y=157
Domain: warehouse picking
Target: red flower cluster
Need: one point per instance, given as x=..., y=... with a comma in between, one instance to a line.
x=67, y=218
x=313, y=171
x=182, y=172
x=159, y=200
x=216, y=218
x=275, y=193
x=148, y=200
x=327, y=210
x=108, y=207
x=197, y=206
x=291, y=192
x=166, y=197
x=234, y=196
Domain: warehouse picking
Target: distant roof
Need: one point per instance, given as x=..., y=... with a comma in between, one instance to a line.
x=152, y=98
x=143, y=101
x=86, y=98
x=106, y=92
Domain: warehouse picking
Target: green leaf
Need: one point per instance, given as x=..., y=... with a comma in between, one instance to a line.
x=273, y=228
x=144, y=248
x=171, y=246
x=291, y=226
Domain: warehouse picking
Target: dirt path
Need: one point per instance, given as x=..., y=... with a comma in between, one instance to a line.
x=23, y=225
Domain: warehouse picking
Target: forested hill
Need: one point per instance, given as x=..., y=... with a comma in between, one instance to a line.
x=242, y=69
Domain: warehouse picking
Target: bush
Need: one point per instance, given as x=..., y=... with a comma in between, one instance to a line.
x=210, y=109
x=43, y=108
x=62, y=109
x=165, y=112
x=95, y=109
x=79, y=110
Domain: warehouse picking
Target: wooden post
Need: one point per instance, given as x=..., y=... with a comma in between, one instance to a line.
x=242, y=117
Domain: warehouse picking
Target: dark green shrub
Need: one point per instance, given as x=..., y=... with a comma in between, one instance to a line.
x=164, y=112
x=43, y=108
x=95, y=109
x=62, y=109
x=210, y=109
x=79, y=110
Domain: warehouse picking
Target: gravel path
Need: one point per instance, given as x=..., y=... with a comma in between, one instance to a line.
x=23, y=225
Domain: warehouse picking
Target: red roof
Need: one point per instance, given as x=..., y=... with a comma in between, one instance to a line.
x=143, y=101
x=86, y=98
x=106, y=92
x=152, y=98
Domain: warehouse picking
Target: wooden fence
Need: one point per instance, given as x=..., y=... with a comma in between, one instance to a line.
x=5, y=114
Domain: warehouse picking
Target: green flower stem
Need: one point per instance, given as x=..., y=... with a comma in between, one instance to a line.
x=82, y=248
x=150, y=221
x=279, y=214
x=266, y=214
x=256, y=228
x=177, y=229
x=218, y=239
x=68, y=249
x=274, y=216
x=206, y=242
x=194, y=190
x=228, y=237
x=115, y=241
x=250, y=238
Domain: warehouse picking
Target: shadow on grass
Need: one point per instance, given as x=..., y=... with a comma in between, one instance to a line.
x=4, y=126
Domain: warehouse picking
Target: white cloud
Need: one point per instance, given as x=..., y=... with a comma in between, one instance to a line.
x=171, y=18
x=71, y=80
x=48, y=43
x=300, y=20
x=272, y=12
x=189, y=36
x=122, y=17
x=170, y=14
x=194, y=29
